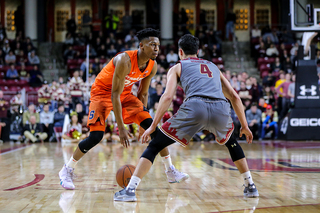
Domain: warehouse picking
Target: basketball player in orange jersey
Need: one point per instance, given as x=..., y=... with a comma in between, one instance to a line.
x=112, y=91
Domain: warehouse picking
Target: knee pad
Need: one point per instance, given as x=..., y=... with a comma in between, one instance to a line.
x=156, y=145
x=235, y=149
x=145, y=124
x=94, y=138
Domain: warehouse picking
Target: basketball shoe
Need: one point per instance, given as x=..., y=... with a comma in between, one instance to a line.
x=251, y=191
x=174, y=176
x=126, y=195
x=66, y=177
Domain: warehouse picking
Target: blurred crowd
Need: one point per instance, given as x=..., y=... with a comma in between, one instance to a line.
x=60, y=111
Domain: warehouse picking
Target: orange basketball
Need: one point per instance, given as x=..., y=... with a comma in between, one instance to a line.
x=124, y=174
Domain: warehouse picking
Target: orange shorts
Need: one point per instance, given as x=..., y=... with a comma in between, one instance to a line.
x=133, y=111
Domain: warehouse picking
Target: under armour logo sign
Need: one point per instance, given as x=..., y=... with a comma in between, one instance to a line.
x=304, y=90
x=233, y=145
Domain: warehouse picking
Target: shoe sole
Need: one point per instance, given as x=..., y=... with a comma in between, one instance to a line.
x=253, y=195
x=181, y=180
x=133, y=199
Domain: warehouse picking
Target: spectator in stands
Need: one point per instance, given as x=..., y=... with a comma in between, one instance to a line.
x=73, y=133
x=172, y=58
x=126, y=23
x=120, y=46
x=29, y=49
x=276, y=66
x=86, y=23
x=27, y=114
x=46, y=120
x=33, y=58
x=12, y=73
x=255, y=89
x=262, y=104
x=267, y=42
x=24, y=75
x=234, y=82
x=178, y=99
x=80, y=40
x=281, y=79
x=112, y=21
x=291, y=89
x=2, y=56
x=155, y=97
x=282, y=48
x=29, y=44
x=10, y=58
x=269, y=96
x=36, y=77
x=261, y=50
x=4, y=121
x=72, y=26
x=76, y=89
x=33, y=131
x=68, y=53
x=244, y=93
x=44, y=93
x=269, y=122
x=216, y=53
x=111, y=51
x=230, y=20
x=3, y=33
x=92, y=52
x=162, y=61
x=101, y=51
x=22, y=58
x=131, y=36
x=17, y=100
x=80, y=112
x=272, y=51
x=255, y=32
x=17, y=48
x=58, y=117
x=287, y=65
x=6, y=46
x=285, y=96
x=294, y=48
x=253, y=116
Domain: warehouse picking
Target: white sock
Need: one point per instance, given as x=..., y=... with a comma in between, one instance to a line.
x=134, y=182
x=247, y=178
x=167, y=162
x=72, y=163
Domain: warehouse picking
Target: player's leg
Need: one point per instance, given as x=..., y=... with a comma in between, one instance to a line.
x=135, y=112
x=238, y=158
x=96, y=120
x=155, y=146
x=173, y=175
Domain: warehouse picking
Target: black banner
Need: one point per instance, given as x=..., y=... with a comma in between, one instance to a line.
x=301, y=124
x=307, y=89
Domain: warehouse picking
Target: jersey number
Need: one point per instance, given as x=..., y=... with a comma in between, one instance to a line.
x=204, y=69
x=91, y=114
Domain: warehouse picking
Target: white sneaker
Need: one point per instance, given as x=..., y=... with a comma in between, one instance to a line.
x=174, y=176
x=66, y=177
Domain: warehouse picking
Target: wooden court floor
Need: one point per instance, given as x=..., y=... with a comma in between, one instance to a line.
x=287, y=175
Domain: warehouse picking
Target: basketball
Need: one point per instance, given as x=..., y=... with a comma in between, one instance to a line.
x=124, y=174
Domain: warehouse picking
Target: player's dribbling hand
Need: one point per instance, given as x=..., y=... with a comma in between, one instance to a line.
x=146, y=135
x=247, y=132
x=124, y=136
x=141, y=131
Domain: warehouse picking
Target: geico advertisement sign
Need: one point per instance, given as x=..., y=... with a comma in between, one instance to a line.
x=295, y=122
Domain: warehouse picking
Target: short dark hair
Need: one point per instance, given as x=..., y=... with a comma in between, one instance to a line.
x=189, y=44
x=148, y=32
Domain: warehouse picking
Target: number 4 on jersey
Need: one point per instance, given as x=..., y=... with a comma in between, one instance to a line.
x=204, y=69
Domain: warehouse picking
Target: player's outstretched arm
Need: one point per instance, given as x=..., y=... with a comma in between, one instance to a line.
x=122, y=65
x=237, y=105
x=165, y=100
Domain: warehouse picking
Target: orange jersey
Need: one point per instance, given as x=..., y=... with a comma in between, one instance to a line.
x=102, y=86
